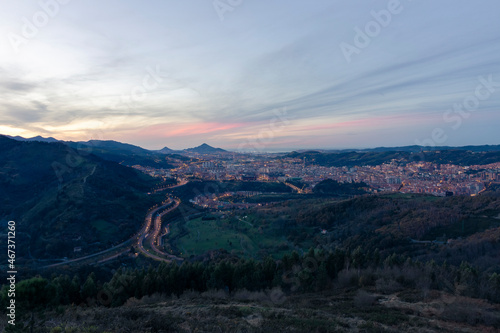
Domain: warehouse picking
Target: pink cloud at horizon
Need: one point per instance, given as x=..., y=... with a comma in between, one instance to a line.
x=184, y=129
x=317, y=132
x=367, y=122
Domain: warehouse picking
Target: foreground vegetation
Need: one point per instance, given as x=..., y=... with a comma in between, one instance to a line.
x=339, y=310
x=320, y=291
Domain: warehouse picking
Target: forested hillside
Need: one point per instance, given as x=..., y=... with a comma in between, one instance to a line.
x=62, y=198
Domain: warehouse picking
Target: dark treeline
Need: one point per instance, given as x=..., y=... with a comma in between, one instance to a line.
x=333, y=187
x=352, y=158
x=316, y=270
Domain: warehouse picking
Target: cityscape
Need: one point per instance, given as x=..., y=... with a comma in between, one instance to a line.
x=414, y=177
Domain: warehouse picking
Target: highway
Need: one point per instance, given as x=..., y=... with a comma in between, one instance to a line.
x=155, y=240
x=182, y=182
x=137, y=239
x=150, y=233
x=107, y=251
x=293, y=187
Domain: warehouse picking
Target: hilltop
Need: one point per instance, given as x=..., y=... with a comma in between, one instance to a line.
x=35, y=138
x=205, y=149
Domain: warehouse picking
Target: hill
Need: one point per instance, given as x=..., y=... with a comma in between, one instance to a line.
x=116, y=146
x=417, y=149
x=62, y=199
x=352, y=158
x=205, y=149
x=123, y=153
x=35, y=138
x=166, y=150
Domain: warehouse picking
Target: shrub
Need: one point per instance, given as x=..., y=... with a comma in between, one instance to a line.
x=347, y=278
x=245, y=295
x=387, y=286
x=215, y=294
x=364, y=299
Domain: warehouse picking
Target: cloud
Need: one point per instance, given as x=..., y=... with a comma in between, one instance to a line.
x=223, y=80
x=16, y=86
x=185, y=129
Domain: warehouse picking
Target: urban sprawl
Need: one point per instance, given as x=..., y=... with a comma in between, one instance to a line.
x=414, y=177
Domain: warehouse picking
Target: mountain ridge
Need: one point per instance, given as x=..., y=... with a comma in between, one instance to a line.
x=35, y=138
x=206, y=148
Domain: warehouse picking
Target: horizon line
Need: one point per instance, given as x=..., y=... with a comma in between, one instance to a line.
x=265, y=150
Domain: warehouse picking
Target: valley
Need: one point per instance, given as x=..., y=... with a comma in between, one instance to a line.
x=331, y=254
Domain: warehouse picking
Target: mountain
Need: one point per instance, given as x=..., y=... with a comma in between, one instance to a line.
x=415, y=149
x=360, y=158
x=166, y=150
x=35, y=138
x=205, y=149
x=123, y=153
x=116, y=146
x=61, y=198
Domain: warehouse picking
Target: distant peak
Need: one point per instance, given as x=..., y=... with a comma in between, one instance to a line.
x=205, y=148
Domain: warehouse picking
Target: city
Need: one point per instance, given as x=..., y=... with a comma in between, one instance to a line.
x=413, y=177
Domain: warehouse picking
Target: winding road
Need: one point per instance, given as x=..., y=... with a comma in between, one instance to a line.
x=150, y=233
x=138, y=239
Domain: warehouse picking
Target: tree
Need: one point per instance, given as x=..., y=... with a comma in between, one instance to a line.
x=358, y=258
x=223, y=273
x=322, y=278
x=89, y=288
x=32, y=295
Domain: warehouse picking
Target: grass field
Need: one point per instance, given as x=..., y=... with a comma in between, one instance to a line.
x=239, y=235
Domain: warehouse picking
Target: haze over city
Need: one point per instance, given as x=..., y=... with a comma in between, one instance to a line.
x=328, y=74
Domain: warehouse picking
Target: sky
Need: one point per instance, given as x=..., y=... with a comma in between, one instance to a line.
x=252, y=75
